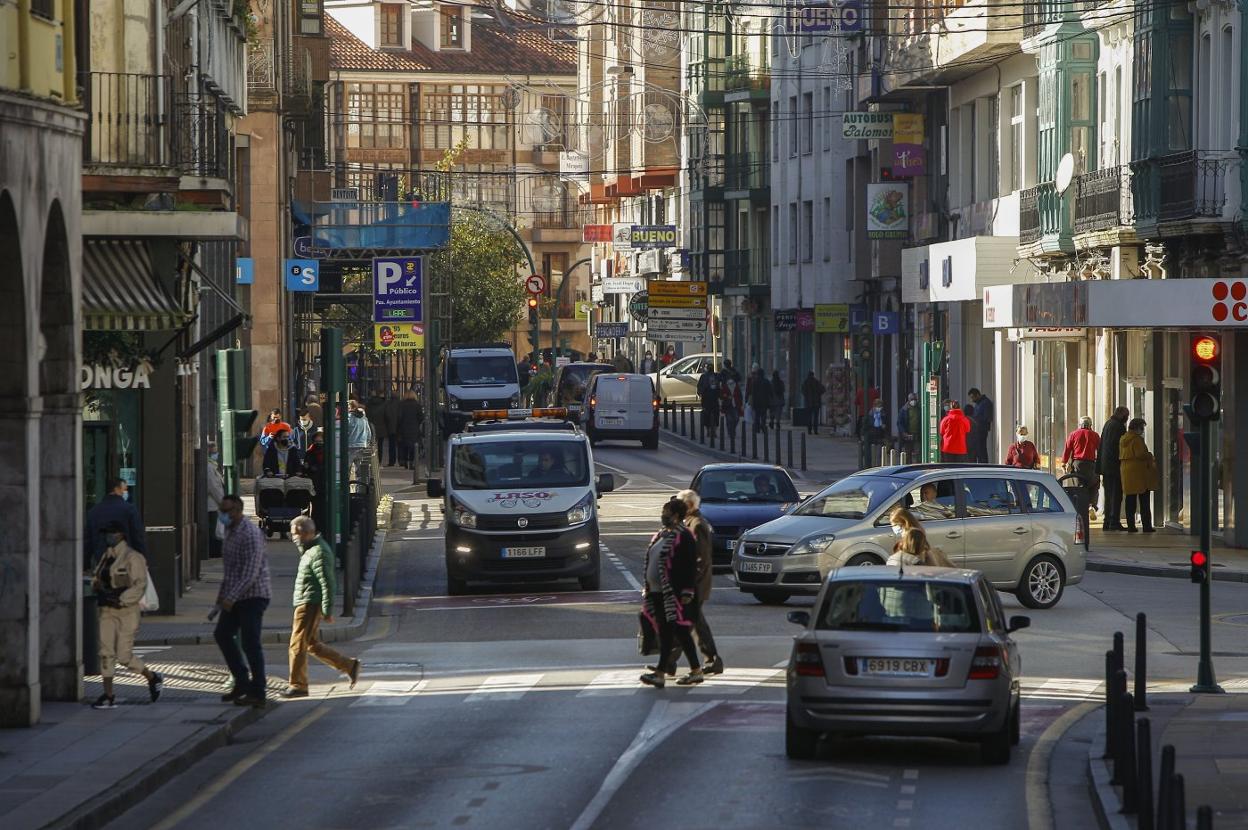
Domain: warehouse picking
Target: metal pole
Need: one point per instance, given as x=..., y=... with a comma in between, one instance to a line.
x=788, y=433
x=1204, y=817
x=1178, y=803
x=1141, y=662
x=777, y=434
x=1205, y=679
x=1165, y=787
x=1128, y=775
x=753, y=443
x=1119, y=660
x=803, y=452
x=1144, y=773
x=1109, y=705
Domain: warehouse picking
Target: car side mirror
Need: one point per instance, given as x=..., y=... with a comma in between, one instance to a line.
x=434, y=488
x=605, y=483
x=801, y=618
x=1018, y=623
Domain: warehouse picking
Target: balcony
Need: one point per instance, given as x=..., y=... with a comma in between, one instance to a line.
x=747, y=176
x=954, y=41
x=1103, y=202
x=742, y=77
x=1187, y=192
x=1043, y=222
x=706, y=82
x=747, y=271
x=203, y=145
x=128, y=124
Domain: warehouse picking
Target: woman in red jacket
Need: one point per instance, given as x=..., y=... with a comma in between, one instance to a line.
x=1022, y=452
x=954, y=428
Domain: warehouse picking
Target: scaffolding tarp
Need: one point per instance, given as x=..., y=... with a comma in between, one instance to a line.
x=389, y=226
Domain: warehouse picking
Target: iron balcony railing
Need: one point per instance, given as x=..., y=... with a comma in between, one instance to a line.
x=1193, y=184
x=745, y=267
x=746, y=171
x=203, y=145
x=128, y=120
x=1028, y=216
x=740, y=74
x=1103, y=200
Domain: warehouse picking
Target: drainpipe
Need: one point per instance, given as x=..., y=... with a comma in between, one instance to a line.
x=23, y=45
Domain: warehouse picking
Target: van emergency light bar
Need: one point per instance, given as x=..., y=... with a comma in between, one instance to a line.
x=520, y=414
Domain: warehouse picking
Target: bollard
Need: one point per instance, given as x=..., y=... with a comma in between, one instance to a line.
x=743, y=431
x=892, y=457
x=1144, y=774
x=1178, y=803
x=1116, y=758
x=1120, y=660
x=700, y=417
x=1204, y=817
x=766, y=449
x=1109, y=705
x=721, y=434
x=1129, y=775
x=1141, y=663
x=788, y=433
x=1165, y=787
x=777, y=434
x=684, y=421
x=803, y=452
x=905, y=458
x=753, y=444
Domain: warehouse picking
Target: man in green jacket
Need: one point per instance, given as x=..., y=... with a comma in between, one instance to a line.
x=314, y=600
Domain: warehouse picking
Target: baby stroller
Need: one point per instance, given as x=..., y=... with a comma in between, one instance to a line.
x=280, y=499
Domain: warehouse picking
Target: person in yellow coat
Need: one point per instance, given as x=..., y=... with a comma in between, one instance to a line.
x=1139, y=475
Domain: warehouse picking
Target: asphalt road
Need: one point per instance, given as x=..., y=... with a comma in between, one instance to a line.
x=521, y=708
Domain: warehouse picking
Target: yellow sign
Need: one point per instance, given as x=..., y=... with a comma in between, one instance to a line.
x=389, y=337
x=675, y=288
x=907, y=128
x=582, y=310
x=677, y=302
x=831, y=318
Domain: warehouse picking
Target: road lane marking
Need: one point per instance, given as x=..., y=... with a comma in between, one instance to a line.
x=1039, y=805
x=621, y=567
x=195, y=804
x=613, y=684
x=736, y=681
x=910, y=775
x=390, y=693
x=504, y=687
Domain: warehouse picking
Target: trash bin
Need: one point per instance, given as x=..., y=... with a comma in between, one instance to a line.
x=90, y=630
x=1076, y=486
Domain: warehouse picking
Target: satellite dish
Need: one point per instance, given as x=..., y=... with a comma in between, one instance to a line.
x=1065, y=173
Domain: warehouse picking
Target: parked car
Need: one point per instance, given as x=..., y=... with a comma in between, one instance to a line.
x=915, y=652
x=1016, y=526
x=621, y=406
x=678, y=381
x=739, y=497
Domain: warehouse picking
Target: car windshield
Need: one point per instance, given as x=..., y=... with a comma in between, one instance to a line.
x=741, y=486
x=899, y=605
x=522, y=462
x=481, y=370
x=851, y=498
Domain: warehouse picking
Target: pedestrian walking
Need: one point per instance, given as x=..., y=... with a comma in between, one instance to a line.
x=731, y=406
x=281, y=458
x=812, y=399
x=954, y=428
x=669, y=355
x=411, y=428
x=360, y=439
x=119, y=582
x=390, y=420
x=876, y=424
x=757, y=400
x=777, y=398
x=272, y=427
x=215, y=486
x=1022, y=452
x=316, y=412
x=985, y=411
x=703, y=537
x=1108, y=464
x=241, y=602
x=670, y=599
x=1139, y=475
x=648, y=366
x=375, y=411
x=114, y=507
x=313, y=602
x=305, y=428
x=908, y=424
x=708, y=394
x=1079, y=456
x=729, y=372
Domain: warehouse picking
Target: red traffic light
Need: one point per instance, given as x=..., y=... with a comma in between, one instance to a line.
x=1205, y=348
x=1199, y=559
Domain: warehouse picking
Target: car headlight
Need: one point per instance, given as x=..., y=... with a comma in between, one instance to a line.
x=461, y=515
x=452, y=401
x=515, y=400
x=812, y=544
x=582, y=511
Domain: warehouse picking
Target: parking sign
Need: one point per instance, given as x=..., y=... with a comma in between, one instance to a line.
x=397, y=289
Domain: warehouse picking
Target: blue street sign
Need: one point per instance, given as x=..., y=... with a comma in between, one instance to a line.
x=611, y=331
x=302, y=275
x=858, y=314
x=397, y=289
x=885, y=322
x=244, y=270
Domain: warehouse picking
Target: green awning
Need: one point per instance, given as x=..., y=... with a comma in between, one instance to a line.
x=120, y=292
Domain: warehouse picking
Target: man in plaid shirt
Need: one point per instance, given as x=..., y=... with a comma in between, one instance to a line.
x=243, y=598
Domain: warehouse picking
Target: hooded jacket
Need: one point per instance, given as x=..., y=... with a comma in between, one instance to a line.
x=954, y=428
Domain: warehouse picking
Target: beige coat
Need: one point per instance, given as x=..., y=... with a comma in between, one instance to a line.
x=1139, y=469
x=128, y=573
x=702, y=534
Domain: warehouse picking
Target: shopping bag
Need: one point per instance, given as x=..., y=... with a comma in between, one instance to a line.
x=151, y=600
x=647, y=637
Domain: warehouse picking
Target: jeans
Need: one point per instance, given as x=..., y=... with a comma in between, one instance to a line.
x=1145, y=502
x=246, y=619
x=1112, y=500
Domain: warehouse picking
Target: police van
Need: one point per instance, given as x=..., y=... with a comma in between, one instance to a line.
x=520, y=497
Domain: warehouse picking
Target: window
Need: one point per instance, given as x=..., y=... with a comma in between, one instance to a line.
x=1080, y=116
x=43, y=8
x=391, y=25
x=746, y=486
x=1039, y=499
x=775, y=232
x=792, y=231
x=1018, y=169
x=310, y=16
x=899, y=605
x=825, y=230
x=452, y=20
x=793, y=125
x=990, y=497
x=825, y=118
x=377, y=116
x=808, y=122
x=851, y=498
x=775, y=128
x=533, y=464
x=451, y=112
x=808, y=231
x=933, y=501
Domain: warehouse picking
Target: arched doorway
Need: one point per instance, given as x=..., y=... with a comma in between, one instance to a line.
x=60, y=488
x=19, y=675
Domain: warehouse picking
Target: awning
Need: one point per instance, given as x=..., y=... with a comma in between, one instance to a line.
x=120, y=292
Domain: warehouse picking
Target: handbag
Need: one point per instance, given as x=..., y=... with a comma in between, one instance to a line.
x=151, y=599
x=647, y=637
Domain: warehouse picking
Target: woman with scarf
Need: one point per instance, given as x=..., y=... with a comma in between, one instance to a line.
x=670, y=599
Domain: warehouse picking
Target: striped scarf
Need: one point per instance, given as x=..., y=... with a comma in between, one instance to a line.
x=673, y=611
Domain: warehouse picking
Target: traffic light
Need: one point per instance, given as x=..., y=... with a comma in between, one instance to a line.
x=241, y=422
x=1200, y=566
x=1206, y=377
x=534, y=324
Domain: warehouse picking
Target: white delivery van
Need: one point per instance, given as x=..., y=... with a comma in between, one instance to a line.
x=521, y=505
x=471, y=378
x=621, y=406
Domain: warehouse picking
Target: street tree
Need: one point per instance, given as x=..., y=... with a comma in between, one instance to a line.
x=478, y=271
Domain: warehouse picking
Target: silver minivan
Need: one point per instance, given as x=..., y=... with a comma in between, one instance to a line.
x=1018, y=527
x=621, y=406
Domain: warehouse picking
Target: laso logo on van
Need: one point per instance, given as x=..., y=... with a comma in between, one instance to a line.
x=532, y=499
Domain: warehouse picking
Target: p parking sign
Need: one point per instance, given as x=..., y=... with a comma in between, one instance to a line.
x=398, y=284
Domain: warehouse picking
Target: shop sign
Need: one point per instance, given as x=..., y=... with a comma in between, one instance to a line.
x=831, y=318
x=573, y=167
x=652, y=236
x=650, y=262
x=99, y=376
x=856, y=125
x=809, y=16
x=397, y=289
x=785, y=320
x=596, y=233
x=638, y=306
x=596, y=293
x=623, y=285
x=398, y=336
x=622, y=236
x=908, y=154
x=805, y=319
x=888, y=212
x=611, y=331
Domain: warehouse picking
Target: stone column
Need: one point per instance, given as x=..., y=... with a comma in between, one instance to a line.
x=60, y=548
x=19, y=566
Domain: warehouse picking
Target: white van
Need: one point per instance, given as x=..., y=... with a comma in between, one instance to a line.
x=521, y=505
x=621, y=406
x=472, y=378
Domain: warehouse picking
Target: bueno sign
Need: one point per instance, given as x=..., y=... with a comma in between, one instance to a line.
x=653, y=236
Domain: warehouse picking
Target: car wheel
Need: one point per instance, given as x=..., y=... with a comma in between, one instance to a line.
x=1016, y=724
x=1042, y=583
x=456, y=587
x=650, y=442
x=995, y=748
x=862, y=560
x=771, y=597
x=593, y=582
x=799, y=744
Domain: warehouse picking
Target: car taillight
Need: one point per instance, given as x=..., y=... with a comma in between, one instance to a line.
x=1078, y=531
x=806, y=660
x=656, y=403
x=987, y=663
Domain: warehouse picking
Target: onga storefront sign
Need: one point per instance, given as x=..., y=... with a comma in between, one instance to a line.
x=99, y=376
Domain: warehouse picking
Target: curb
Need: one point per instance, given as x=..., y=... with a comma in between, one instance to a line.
x=100, y=810
x=1167, y=571
x=692, y=444
x=1105, y=799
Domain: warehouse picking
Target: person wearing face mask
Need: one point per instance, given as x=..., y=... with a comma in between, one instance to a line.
x=281, y=458
x=1139, y=475
x=1022, y=452
x=119, y=581
x=359, y=437
x=303, y=432
x=877, y=424
x=245, y=592
x=731, y=407
x=114, y=507
x=648, y=366
x=908, y=424
x=272, y=427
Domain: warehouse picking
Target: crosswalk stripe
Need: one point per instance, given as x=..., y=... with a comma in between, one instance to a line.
x=735, y=681
x=505, y=687
x=612, y=684
x=390, y=693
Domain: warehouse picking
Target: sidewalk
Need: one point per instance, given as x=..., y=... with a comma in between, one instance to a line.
x=1207, y=732
x=828, y=457
x=1164, y=553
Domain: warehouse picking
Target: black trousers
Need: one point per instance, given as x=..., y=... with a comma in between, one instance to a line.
x=1145, y=502
x=246, y=619
x=392, y=456
x=812, y=419
x=673, y=636
x=1113, y=500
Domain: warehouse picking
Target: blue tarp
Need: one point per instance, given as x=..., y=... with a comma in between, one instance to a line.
x=382, y=225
